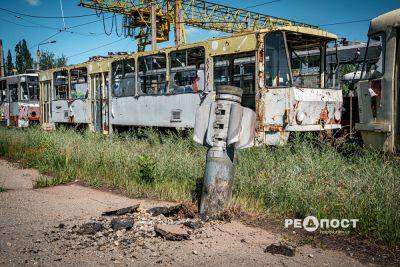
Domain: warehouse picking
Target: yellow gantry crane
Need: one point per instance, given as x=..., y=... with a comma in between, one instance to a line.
x=153, y=18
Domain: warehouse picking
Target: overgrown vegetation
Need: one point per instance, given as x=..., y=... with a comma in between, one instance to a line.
x=304, y=178
x=44, y=181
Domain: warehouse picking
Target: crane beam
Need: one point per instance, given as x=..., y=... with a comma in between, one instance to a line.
x=195, y=13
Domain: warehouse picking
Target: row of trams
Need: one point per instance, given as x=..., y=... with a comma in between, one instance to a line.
x=289, y=76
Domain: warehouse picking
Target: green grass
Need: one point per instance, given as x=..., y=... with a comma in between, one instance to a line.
x=44, y=181
x=303, y=178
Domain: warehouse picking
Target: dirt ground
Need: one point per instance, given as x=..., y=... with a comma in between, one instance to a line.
x=30, y=233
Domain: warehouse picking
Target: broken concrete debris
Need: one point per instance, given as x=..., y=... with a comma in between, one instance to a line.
x=120, y=224
x=90, y=228
x=123, y=211
x=193, y=224
x=129, y=229
x=181, y=210
x=281, y=249
x=171, y=232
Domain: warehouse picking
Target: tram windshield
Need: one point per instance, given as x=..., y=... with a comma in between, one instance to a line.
x=294, y=59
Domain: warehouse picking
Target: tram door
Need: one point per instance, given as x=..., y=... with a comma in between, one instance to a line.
x=96, y=92
x=99, y=92
x=46, y=95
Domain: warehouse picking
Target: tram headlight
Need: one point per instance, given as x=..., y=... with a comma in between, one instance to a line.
x=300, y=116
x=338, y=115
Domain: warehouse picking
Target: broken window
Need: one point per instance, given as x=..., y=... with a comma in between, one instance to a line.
x=33, y=88
x=123, y=78
x=13, y=89
x=306, y=66
x=79, y=83
x=152, y=74
x=3, y=90
x=237, y=70
x=187, y=71
x=61, y=85
x=24, y=91
x=277, y=72
x=375, y=60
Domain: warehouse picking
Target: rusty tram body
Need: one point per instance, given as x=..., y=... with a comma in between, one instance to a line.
x=379, y=89
x=282, y=71
x=19, y=100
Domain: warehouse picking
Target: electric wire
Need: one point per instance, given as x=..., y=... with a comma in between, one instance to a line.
x=46, y=17
x=262, y=4
x=345, y=22
x=95, y=48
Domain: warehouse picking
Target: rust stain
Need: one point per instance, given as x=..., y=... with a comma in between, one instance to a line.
x=34, y=114
x=324, y=116
x=71, y=119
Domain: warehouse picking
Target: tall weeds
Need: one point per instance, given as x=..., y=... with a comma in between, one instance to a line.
x=304, y=178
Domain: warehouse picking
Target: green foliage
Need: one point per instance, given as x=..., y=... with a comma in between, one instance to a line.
x=43, y=182
x=305, y=177
x=2, y=189
x=9, y=67
x=147, y=166
x=48, y=60
x=345, y=69
x=23, y=58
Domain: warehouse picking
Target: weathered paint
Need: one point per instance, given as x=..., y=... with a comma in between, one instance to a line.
x=19, y=113
x=380, y=114
x=158, y=110
x=277, y=110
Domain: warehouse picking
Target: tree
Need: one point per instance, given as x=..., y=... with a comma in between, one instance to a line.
x=49, y=60
x=61, y=61
x=23, y=58
x=9, y=64
x=19, y=60
x=26, y=56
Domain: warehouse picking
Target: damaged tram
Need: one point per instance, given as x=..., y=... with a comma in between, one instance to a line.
x=19, y=100
x=281, y=70
x=379, y=89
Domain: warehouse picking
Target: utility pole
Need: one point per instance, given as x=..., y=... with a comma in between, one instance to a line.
x=2, y=69
x=153, y=26
x=38, y=54
x=37, y=59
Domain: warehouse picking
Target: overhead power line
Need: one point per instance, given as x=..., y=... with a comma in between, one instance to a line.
x=18, y=24
x=46, y=17
x=95, y=48
x=262, y=4
x=345, y=22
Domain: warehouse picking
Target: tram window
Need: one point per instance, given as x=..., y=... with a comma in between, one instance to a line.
x=152, y=74
x=332, y=67
x=79, y=83
x=3, y=92
x=13, y=89
x=3, y=95
x=277, y=72
x=123, y=78
x=243, y=71
x=61, y=85
x=33, y=88
x=187, y=70
x=24, y=91
x=375, y=65
x=306, y=67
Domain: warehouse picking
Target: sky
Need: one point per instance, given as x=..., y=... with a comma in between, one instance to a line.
x=89, y=40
